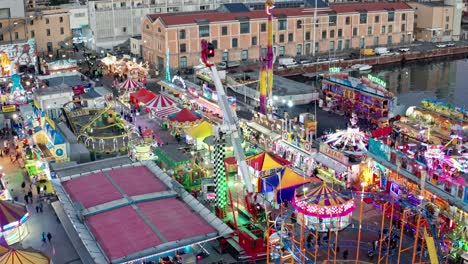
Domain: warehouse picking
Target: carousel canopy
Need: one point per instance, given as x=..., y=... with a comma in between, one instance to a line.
x=20, y=256
x=323, y=202
x=160, y=102
x=3, y=246
x=11, y=213
x=351, y=140
x=201, y=131
x=129, y=84
x=266, y=161
x=184, y=115
x=291, y=178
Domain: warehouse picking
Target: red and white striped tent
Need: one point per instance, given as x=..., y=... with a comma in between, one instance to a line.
x=129, y=85
x=163, y=113
x=160, y=102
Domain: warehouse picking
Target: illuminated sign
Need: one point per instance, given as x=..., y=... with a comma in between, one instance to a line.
x=377, y=81
x=8, y=108
x=178, y=78
x=334, y=154
x=335, y=69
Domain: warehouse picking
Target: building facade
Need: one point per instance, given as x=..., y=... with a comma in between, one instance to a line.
x=242, y=36
x=437, y=21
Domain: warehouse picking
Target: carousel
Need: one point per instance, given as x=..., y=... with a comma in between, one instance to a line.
x=12, y=220
x=322, y=208
x=352, y=140
x=129, y=85
x=14, y=256
x=184, y=119
x=142, y=148
x=126, y=67
x=159, y=103
x=102, y=130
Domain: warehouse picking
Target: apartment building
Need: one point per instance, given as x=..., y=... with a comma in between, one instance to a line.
x=437, y=21
x=12, y=26
x=115, y=21
x=242, y=35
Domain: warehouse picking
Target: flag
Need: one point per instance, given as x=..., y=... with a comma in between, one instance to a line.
x=53, y=250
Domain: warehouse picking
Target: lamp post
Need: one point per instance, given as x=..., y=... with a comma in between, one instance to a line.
x=363, y=185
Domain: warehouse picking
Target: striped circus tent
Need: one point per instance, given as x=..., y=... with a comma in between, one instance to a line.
x=14, y=256
x=164, y=113
x=129, y=85
x=11, y=213
x=160, y=102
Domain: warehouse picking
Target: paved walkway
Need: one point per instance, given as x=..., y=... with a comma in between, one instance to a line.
x=38, y=222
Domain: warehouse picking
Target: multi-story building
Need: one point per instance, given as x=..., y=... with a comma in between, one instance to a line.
x=12, y=22
x=115, y=21
x=242, y=35
x=51, y=29
x=437, y=21
x=79, y=21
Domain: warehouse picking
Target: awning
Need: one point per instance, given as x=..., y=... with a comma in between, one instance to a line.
x=263, y=130
x=201, y=131
x=163, y=113
x=330, y=163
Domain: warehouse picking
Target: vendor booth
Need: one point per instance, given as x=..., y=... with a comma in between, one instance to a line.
x=143, y=96
x=265, y=164
x=258, y=134
x=196, y=135
x=12, y=220
x=59, y=66
x=184, y=119
x=160, y=102
x=331, y=165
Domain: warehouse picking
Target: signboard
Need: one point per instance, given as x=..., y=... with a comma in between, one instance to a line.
x=179, y=79
x=377, y=80
x=13, y=56
x=334, y=154
x=335, y=69
x=8, y=108
x=379, y=149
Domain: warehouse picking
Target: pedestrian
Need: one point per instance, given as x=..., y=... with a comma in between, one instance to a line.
x=44, y=238
x=45, y=188
x=49, y=236
x=345, y=254
x=41, y=207
x=38, y=189
x=30, y=194
x=23, y=185
x=37, y=209
x=26, y=198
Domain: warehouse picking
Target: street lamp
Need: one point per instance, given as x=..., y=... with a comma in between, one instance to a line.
x=290, y=103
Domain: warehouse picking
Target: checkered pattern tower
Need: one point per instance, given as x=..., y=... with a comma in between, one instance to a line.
x=220, y=176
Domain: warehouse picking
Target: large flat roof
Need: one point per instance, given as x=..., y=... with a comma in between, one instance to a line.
x=133, y=211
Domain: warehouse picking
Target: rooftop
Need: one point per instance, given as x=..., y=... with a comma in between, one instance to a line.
x=71, y=79
x=137, y=204
x=59, y=89
x=237, y=13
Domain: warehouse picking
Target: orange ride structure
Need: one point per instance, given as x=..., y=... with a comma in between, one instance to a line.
x=406, y=231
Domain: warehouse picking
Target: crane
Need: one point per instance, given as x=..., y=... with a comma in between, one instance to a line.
x=230, y=121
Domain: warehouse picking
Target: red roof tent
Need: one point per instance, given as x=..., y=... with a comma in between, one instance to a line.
x=122, y=231
x=142, y=96
x=185, y=115
x=215, y=16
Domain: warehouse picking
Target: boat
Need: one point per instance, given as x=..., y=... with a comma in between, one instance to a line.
x=362, y=67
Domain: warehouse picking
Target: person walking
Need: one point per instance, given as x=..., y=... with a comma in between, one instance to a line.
x=41, y=207
x=26, y=198
x=44, y=238
x=345, y=254
x=37, y=209
x=49, y=236
x=38, y=189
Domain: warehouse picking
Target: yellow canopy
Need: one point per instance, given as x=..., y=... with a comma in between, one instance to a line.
x=19, y=256
x=291, y=178
x=201, y=131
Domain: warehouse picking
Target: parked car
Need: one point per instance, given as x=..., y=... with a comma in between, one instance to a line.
x=287, y=62
x=306, y=62
x=381, y=51
x=441, y=45
x=403, y=49
x=450, y=44
x=226, y=65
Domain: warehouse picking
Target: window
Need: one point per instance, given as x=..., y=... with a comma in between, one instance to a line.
x=391, y=16
x=299, y=24
x=147, y=26
x=299, y=49
x=274, y=38
x=31, y=22
x=290, y=37
x=62, y=31
x=281, y=38
x=307, y=35
x=47, y=21
x=332, y=45
x=124, y=29
x=1, y=37
x=1, y=25
x=347, y=44
x=376, y=19
x=369, y=30
x=159, y=29
x=383, y=30
x=183, y=62
x=324, y=34
x=363, y=18
x=403, y=27
x=263, y=52
x=16, y=35
x=225, y=56
x=348, y=20
x=281, y=51
x=183, y=48
x=182, y=34
x=224, y=31
x=362, y=43
x=332, y=20
x=215, y=43
x=245, y=55
x=244, y=27
x=254, y=41
x=49, y=47
x=204, y=31
x=354, y=32
x=403, y=16
x=446, y=26
x=32, y=34
x=48, y=32
x=447, y=19
x=234, y=42
x=316, y=47
x=340, y=33
x=332, y=33
x=282, y=23
x=390, y=28
x=389, y=40
x=376, y=41
x=340, y=45
x=61, y=19
x=263, y=27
